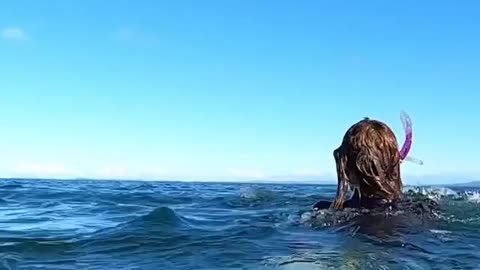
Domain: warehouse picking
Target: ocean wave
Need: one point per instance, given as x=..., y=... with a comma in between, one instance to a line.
x=11, y=186
x=433, y=193
x=327, y=260
x=473, y=196
x=160, y=227
x=142, y=198
x=256, y=194
x=135, y=225
x=162, y=216
x=254, y=198
x=457, y=208
x=158, y=219
x=166, y=233
x=440, y=193
x=34, y=245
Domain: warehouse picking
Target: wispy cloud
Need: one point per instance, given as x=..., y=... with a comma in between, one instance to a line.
x=303, y=175
x=14, y=33
x=113, y=171
x=117, y=171
x=246, y=173
x=32, y=169
x=122, y=172
x=57, y=170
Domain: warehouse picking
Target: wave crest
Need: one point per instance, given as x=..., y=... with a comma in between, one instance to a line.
x=439, y=193
x=162, y=215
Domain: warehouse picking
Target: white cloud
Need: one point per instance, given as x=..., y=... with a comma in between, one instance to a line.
x=117, y=171
x=122, y=172
x=56, y=170
x=31, y=169
x=311, y=172
x=13, y=33
x=113, y=171
x=245, y=173
x=303, y=175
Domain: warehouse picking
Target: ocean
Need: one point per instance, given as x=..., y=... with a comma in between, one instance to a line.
x=77, y=224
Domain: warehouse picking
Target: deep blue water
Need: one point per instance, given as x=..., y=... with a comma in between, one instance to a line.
x=172, y=225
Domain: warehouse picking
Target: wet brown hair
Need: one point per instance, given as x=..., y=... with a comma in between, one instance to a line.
x=368, y=162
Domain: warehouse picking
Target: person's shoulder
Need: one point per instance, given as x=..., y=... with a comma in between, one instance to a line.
x=418, y=204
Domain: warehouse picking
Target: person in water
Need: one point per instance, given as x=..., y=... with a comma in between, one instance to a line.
x=368, y=163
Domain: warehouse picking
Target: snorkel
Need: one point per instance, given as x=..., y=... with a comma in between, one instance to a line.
x=407, y=144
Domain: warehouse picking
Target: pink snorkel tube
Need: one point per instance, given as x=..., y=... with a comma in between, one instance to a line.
x=407, y=144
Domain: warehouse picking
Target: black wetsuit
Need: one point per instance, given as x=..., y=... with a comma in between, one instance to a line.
x=410, y=203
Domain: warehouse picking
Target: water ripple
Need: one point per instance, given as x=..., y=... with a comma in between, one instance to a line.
x=173, y=225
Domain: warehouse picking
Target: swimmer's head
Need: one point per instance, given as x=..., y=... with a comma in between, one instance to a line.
x=368, y=161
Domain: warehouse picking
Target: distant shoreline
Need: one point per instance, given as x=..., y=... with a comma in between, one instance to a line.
x=227, y=181
x=468, y=184
x=254, y=181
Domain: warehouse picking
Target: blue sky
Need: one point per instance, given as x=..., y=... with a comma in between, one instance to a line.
x=232, y=89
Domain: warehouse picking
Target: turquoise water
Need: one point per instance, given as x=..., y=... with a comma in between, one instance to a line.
x=172, y=225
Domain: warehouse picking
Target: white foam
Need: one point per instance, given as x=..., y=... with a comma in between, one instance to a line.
x=439, y=231
x=438, y=193
x=473, y=196
x=434, y=193
x=305, y=217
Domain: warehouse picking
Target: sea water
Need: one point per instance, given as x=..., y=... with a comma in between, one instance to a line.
x=53, y=224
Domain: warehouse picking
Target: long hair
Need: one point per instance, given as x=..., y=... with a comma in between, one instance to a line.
x=368, y=162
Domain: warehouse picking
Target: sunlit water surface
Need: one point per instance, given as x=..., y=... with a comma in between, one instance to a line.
x=174, y=225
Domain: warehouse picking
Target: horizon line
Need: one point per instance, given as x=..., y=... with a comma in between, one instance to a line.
x=227, y=181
